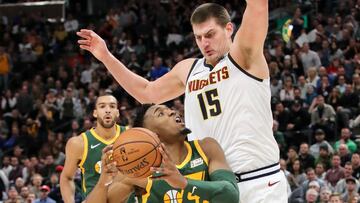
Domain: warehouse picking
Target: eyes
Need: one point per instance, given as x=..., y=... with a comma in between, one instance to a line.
x=112, y=106
x=160, y=114
x=207, y=35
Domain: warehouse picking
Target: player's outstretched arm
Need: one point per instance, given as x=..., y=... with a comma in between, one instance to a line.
x=73, y=152
x=247, y=48
x=165, y=88
x=222, y=186
x=109, y=187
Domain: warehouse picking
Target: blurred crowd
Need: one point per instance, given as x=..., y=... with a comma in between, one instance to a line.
x=48, y=88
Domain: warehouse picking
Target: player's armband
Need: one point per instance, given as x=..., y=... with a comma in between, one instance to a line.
x=222, y=187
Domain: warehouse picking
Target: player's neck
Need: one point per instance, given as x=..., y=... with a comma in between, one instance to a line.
x=178, y=152
x=106, y=133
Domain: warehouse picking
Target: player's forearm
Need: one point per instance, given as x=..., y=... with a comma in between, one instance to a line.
x=259, y=4
x=98, y=194
x=221, y=188
x=67, y=188
x=134, y=84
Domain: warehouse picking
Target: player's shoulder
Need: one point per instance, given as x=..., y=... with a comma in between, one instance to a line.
x=75, y=143
x=209, y=145
x=183, y=67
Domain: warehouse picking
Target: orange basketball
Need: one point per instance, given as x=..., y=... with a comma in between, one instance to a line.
x=135, y=151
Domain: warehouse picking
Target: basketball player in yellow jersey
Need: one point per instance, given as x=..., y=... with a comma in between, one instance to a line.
x=194, y=171
x=84, y=151
x=227, y=93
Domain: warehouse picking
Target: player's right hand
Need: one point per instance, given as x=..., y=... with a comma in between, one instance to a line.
x=93, y=43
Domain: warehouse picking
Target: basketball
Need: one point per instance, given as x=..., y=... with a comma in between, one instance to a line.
x=135, y=151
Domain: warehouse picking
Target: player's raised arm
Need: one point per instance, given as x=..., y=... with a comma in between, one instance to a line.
x=73, y=151
x=247, y=48
x=170, y=86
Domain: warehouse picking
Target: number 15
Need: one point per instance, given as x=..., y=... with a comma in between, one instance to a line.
x=211, y=105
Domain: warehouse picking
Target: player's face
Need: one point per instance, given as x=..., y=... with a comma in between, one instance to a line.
x=165, y=122
x=106, y=111
x=212, y=39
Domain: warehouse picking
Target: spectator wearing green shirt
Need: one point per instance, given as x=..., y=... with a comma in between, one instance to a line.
x=345, y=138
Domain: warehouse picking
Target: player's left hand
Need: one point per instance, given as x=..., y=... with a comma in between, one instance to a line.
x=168, y=171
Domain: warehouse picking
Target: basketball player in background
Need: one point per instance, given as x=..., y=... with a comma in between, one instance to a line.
x=227, y=93
x=195, y=170
x=84, y=151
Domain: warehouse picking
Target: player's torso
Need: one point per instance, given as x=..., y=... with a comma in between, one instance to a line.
x=90, y=164
x=194, y=166
x=232, y=106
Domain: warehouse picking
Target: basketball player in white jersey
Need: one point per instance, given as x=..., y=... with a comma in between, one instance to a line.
x=227, y=93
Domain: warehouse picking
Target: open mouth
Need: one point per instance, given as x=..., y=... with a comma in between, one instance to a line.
x=107, y=118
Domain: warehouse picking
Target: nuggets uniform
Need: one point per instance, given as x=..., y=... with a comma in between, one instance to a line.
x=90, y=163
x=232, y=106
x=195, y=166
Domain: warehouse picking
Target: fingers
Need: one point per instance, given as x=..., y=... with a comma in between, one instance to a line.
x=107, y=148
x=83, y=35
x=84, y=42
x=87, y=48
x=158, y=170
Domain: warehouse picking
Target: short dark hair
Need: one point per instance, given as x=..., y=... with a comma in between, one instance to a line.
x=210, y=10
x=106, y=94
x=140, y=114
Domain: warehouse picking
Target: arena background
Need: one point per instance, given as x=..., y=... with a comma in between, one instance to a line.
x=48, y=86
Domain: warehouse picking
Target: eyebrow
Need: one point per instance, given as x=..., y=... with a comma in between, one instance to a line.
x=157, y=108
x=106, y=103
x=205, y=32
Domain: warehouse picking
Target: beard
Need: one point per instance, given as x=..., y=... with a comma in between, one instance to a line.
x=106, y=125
x=185, y=131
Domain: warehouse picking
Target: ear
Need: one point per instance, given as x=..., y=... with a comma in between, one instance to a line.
x=95, y=114
x=229, y=29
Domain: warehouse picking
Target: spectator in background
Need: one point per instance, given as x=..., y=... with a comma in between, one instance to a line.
x=43, y=198
x=299, y=120
x=325, y=193
x=341, y=184
x=13, y=196
x=306, y=159
x=311, y=196
x=351, y=191
x=324, y=156
x=322, y=115
x=5, y=67
x=345, y=156
x=158, y=69
x=320, y=171
x=335, y=173
x=287, y=92
x=309, y=58
x=24, y=193
x=320, y=140
x=8, y=102
x=345, y=139
x=36, y=181
x=355, y=162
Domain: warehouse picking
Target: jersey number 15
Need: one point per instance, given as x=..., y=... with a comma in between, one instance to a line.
x=209, y=103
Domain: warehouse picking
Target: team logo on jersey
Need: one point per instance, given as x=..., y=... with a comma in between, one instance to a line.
x=196, y=162
x=213, y=77
x=98, y=167
x=173, y=196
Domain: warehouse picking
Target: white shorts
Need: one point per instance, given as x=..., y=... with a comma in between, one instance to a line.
x=264, y=185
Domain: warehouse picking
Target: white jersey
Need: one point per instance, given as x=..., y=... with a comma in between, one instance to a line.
x=228, y=104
